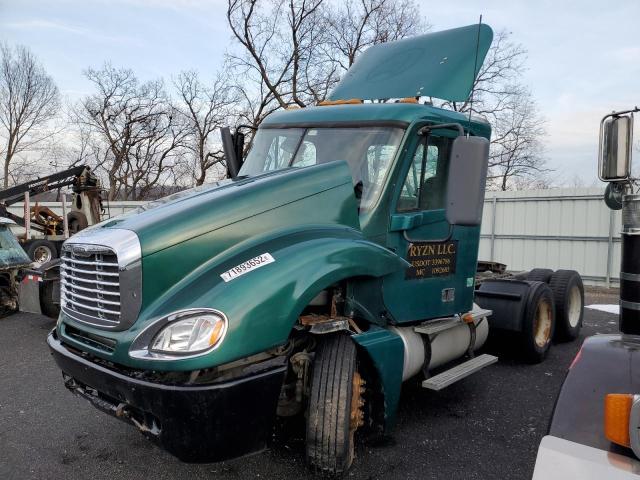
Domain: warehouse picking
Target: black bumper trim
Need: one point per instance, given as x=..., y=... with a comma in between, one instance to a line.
x=202, y=423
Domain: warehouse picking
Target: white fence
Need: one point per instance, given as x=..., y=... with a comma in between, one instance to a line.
x=559, y=228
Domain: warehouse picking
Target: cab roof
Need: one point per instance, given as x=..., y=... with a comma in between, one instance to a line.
x=399, y=114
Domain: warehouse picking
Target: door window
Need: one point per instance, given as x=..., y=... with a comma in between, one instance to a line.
x=424, y=187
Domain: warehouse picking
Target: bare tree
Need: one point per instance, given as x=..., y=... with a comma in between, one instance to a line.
x=133, y=129
x=152, y=158
x=205, y=109
x=516, y=150
x=356, y=25
x=293, y=51
x=500, y=97
x=29, y=100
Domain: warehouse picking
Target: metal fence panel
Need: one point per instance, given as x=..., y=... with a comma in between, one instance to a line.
x=556, y=228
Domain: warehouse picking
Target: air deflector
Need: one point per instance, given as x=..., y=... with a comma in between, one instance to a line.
x=439, y=65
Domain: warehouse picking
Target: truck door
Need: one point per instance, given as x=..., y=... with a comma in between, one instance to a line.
x=443, y=259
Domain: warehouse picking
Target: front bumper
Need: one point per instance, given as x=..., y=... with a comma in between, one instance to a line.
x=199, y=423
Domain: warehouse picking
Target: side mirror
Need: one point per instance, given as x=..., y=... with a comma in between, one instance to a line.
x=616, y=140
x=467, y=180
x=231, y=151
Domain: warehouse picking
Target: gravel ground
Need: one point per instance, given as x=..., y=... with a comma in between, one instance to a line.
x=486, y=426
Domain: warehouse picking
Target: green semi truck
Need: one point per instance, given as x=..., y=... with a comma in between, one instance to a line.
x=339, y=261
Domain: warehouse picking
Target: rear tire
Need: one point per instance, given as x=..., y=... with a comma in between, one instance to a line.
x=48, y=293
x=568, y=294
x=538, y=323
x=334, y=410
x=540, y=275
x=41, y=251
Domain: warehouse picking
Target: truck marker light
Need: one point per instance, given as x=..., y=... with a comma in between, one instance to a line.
x=216, y=333
x=617, y=412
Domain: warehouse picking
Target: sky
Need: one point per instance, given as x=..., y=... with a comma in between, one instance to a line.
x=583, y=56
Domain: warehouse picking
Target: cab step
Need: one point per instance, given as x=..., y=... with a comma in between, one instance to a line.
x=459, y=372
x=439, y=325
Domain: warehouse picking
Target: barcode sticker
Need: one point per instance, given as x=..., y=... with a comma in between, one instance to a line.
x=246, y=267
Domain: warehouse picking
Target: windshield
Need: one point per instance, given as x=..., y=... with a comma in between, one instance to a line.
x=368, y=151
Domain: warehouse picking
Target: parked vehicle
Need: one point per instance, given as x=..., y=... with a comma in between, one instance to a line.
x=13, y=260
x=338, y=262
x=32, y=280
x=44, y=229
x=35, y=287
x=595, y=430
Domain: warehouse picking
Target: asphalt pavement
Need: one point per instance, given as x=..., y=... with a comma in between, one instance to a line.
x=487, y=426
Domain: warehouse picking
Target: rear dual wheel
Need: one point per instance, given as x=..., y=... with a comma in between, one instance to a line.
x=335, y=405
x=538, y=322
x=568, y=294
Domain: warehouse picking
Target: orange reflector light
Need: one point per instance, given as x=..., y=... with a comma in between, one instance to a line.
x=351, y=101
x=467, y=318
x=216, y=333
x=617, y=410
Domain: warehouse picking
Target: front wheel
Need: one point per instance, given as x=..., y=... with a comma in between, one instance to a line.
x=335, y=405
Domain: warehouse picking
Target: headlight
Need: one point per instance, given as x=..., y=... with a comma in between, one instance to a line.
x=195, y=333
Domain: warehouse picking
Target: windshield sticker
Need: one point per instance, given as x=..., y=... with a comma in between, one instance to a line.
x=246, y=267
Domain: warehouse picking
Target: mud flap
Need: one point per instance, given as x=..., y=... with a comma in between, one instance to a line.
x=386, y=352
x=29, y=293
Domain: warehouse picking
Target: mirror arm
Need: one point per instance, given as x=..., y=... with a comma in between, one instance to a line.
x=229, y=152
x=428, y=128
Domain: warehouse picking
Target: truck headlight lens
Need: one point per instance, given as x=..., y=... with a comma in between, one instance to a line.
x=196, y=333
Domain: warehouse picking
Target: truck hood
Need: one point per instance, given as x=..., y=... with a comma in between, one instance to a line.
x=201, y=210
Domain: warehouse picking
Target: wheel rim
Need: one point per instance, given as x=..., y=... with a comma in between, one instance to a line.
x=42, y=254
x=575, y=306
x=542, y=325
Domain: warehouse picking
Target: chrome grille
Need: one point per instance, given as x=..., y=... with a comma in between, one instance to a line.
x=90, y=283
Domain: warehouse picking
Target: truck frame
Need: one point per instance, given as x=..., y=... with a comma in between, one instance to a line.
x=338, y=262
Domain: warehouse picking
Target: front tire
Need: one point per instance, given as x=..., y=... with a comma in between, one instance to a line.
x=335, y=405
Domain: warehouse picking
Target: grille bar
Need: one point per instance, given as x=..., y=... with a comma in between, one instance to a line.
x=91, y=290
x=99, y=282
x=97, y=300
x=92, y=272
x=84, y=262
